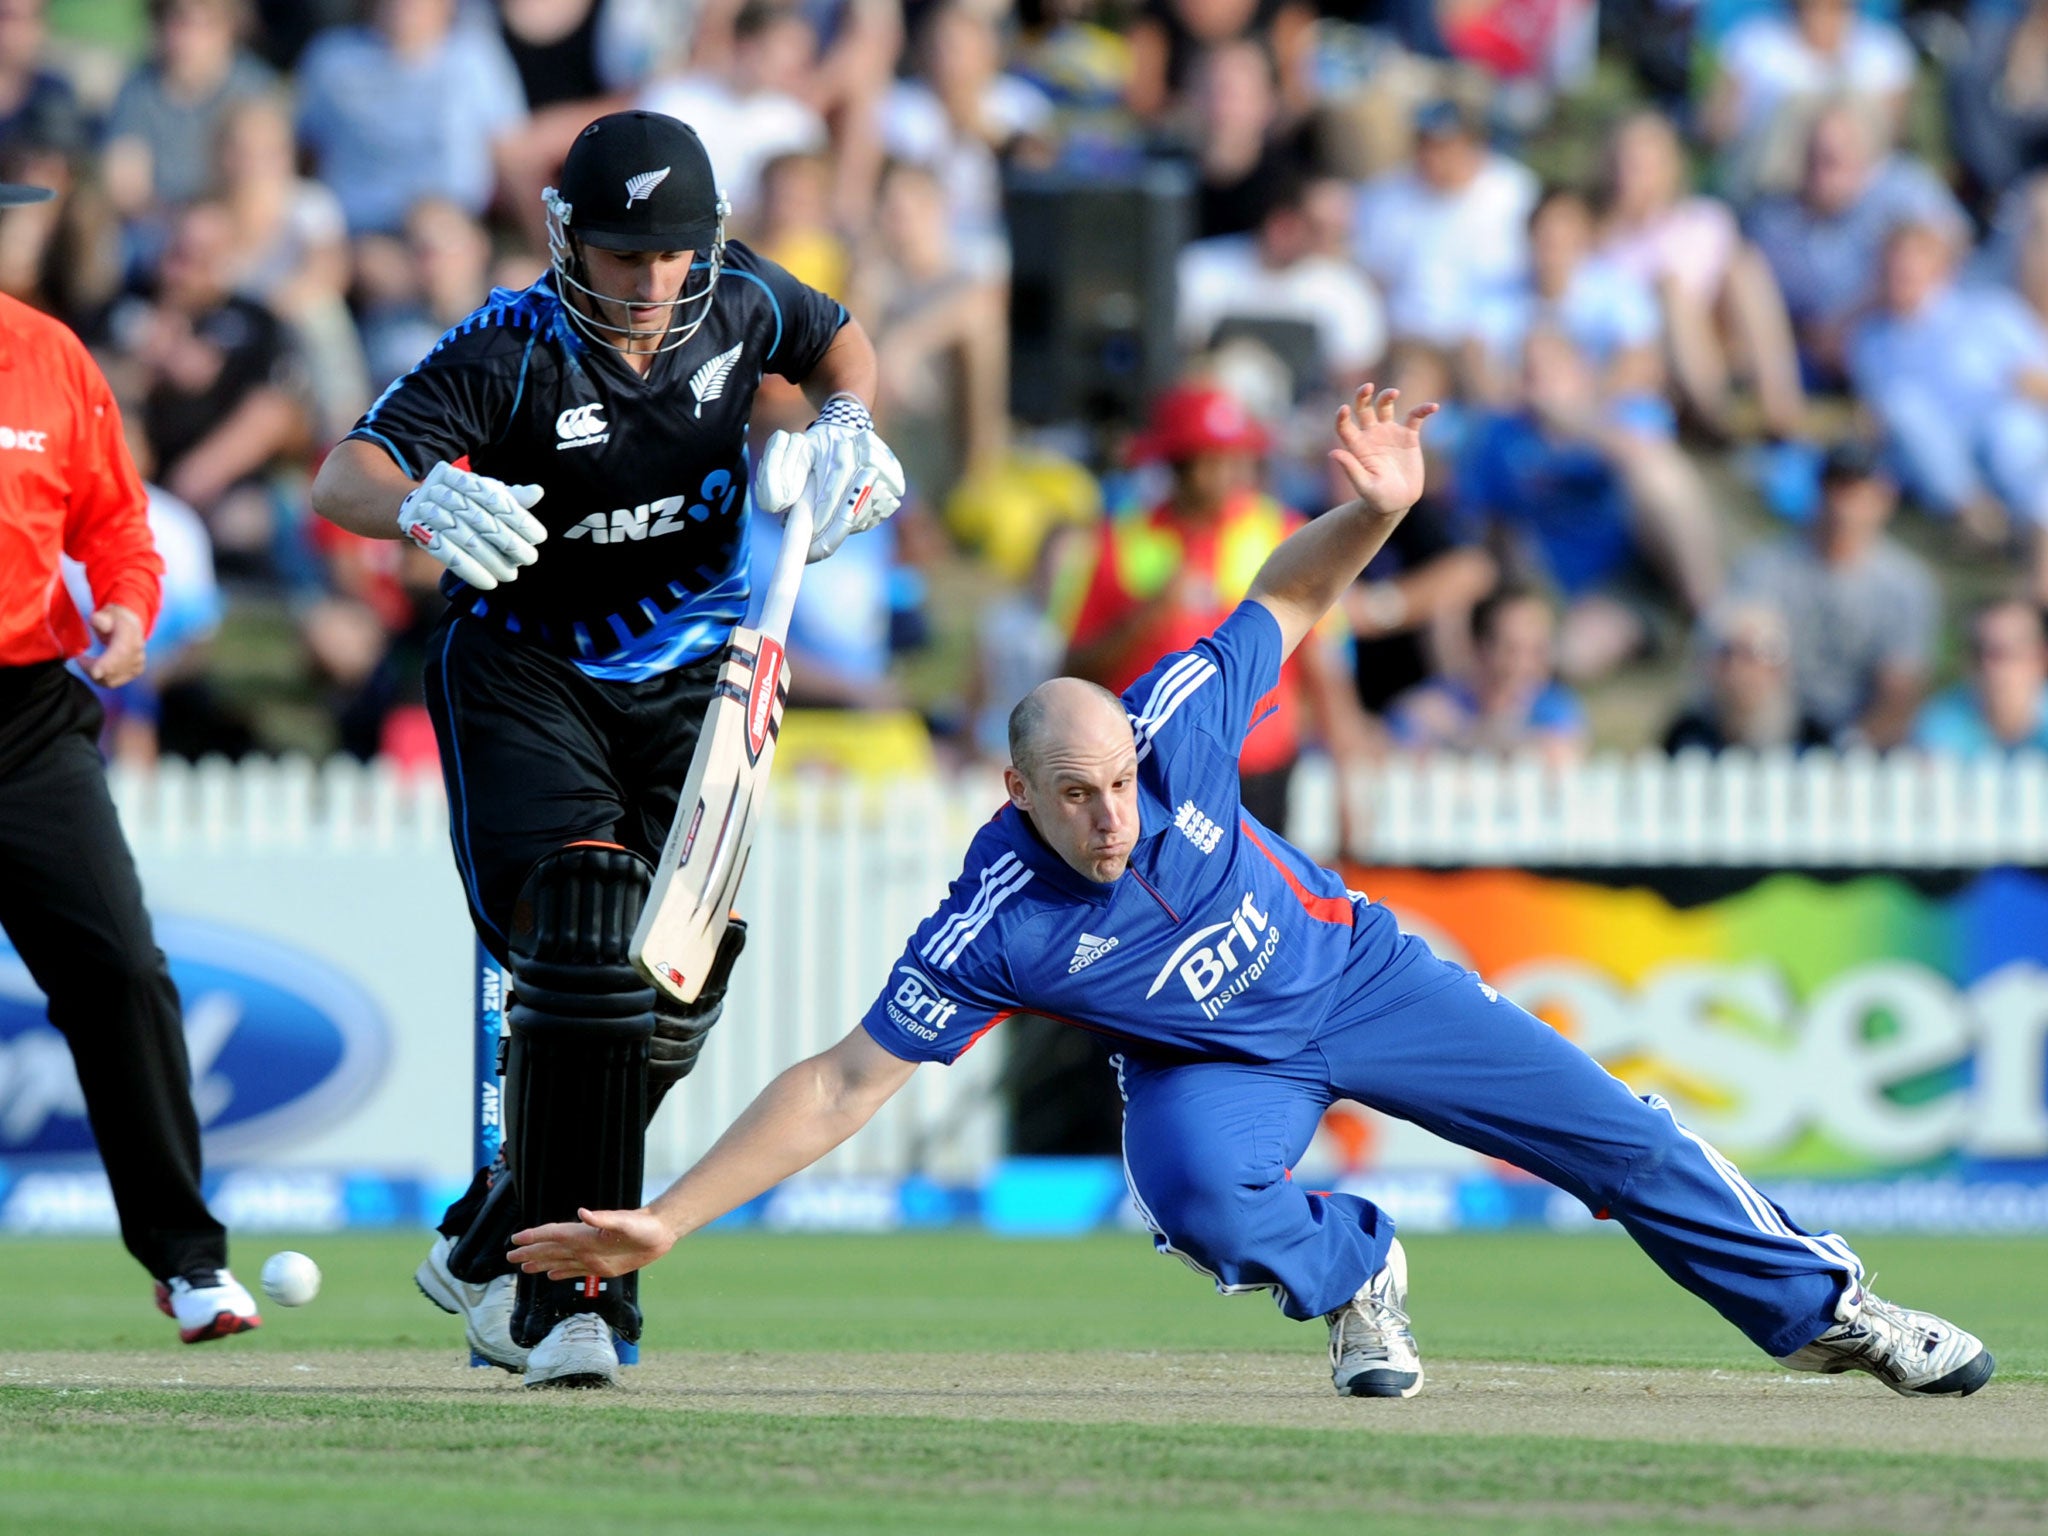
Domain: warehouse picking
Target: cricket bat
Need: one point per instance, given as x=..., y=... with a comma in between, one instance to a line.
x=726, y=792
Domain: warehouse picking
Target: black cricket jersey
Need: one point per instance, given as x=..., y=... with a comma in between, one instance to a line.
x=645, y=565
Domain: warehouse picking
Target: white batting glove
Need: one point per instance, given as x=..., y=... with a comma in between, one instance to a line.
x=853, y=477
x=481, y=529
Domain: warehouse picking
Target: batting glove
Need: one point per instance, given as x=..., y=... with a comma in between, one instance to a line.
x=852, y=476
x=481, y=529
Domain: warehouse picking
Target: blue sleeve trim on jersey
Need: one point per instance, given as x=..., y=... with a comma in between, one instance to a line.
x=388, y=446
x=776, y=303
x=512, y=411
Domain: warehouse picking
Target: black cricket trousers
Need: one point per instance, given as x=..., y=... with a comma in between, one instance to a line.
x=71, y=905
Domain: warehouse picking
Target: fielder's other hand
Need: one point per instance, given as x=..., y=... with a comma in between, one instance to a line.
x=120, y=631
x=602, y=1243
x=481, y=529
x=853, y=477
x=1380, y=456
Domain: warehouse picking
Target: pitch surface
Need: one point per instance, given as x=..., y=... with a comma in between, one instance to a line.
x=947, y=1382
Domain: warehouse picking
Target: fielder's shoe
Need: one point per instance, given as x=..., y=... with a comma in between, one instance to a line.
x=207, y=1304
x=485, y=1310
x=1916, y=1354
x=577, y=1352
x=1372, y=1353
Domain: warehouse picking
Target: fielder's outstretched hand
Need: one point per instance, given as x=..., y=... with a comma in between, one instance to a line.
x=602, y=1243
x=1380, y=456
x=481, y=529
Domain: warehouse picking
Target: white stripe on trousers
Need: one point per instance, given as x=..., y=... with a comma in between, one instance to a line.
x=1763, y=1215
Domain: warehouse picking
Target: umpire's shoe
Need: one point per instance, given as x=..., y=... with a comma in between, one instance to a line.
x=1372, y=1353
x=207, y=1304
x=485, y=1310
x=578, y=1352
x=1916, y=1354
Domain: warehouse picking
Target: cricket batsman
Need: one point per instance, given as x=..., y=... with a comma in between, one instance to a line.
x=576, y=454
x=1125, y=890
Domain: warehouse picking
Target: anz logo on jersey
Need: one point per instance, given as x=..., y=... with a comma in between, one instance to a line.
x=1221, y=961
x=664, y=515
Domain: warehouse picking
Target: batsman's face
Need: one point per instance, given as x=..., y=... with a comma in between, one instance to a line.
x=1082, y=794
x=638, y=288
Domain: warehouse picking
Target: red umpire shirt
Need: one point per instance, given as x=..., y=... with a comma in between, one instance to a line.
x=67, y=487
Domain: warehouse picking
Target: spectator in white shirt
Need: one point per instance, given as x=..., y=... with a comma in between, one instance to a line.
x=1958, y=377
x=756, y=108
x=1825, y=245
x=1773, y=71
x=1276, y=274
x=960, y=117
x=1720, y=303
x=411, y=106
x=1438, y=237
x=1606, y=313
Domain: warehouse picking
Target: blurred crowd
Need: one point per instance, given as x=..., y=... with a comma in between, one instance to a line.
x=1713, y=293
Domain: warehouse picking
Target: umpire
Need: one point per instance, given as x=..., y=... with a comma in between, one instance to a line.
x=69, y=898
x=600, y=413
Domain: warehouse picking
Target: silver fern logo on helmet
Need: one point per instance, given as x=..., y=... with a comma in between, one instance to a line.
x=565, y=256
x=640, y=188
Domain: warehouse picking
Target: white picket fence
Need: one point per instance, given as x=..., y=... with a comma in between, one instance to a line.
x=845, y=870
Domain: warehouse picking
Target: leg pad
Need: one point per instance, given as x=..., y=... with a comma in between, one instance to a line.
x=579, y=1024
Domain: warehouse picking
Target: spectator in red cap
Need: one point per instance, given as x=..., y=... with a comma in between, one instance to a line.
x=1150, y=583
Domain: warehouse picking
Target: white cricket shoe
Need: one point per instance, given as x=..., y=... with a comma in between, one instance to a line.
x=1916, y=1354
x=485, y=1310
x=578, y=1352
x=1372, y=1353
x=207, y=1304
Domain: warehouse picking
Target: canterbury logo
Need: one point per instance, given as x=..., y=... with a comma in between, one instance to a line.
x=708, y=382
x=582, y=424
x=640, y=188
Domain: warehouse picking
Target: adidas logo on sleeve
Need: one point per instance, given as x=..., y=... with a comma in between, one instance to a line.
x=1091, y=949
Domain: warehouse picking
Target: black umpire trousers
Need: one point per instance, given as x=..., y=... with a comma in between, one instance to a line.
x=71, y=905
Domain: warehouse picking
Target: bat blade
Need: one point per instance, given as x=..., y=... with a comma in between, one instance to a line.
x=701, y=863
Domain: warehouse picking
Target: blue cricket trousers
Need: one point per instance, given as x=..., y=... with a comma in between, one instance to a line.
x=1208, y=1146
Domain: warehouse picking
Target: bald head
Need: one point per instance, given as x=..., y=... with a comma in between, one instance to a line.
x=1059, y=712
x=1074, y=773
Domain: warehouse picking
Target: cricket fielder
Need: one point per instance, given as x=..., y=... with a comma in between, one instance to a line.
x=598, y=419
x=69, y=898
x=1124, y=889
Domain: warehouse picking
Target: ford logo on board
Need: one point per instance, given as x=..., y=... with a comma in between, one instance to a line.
x=283, y=1045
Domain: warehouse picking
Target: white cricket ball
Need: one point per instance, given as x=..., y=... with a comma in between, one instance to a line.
x=290, y=1279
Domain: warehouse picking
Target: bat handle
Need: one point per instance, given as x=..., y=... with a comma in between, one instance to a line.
x=789, y=568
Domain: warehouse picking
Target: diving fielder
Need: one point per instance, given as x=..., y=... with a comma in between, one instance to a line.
x=576, y=454
x=1125, y=890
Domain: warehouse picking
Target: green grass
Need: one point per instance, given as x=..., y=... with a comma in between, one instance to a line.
x=138, y=1460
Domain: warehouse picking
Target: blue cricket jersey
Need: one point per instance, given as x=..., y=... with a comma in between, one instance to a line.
x=1220, y=939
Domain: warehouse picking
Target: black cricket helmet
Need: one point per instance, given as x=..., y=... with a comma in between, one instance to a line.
x=638, y=181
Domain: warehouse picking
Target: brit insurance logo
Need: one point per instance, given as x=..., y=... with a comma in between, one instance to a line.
x=1223, y=960
x=582, y=426
x=282, y=1046
x=918, y=1005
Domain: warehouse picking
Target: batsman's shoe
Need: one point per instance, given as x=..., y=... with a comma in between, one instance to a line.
x=207, y=1304
x=1372, y=1353
x=577, y=1352
x=1916, y=1354
x=485, y=1310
